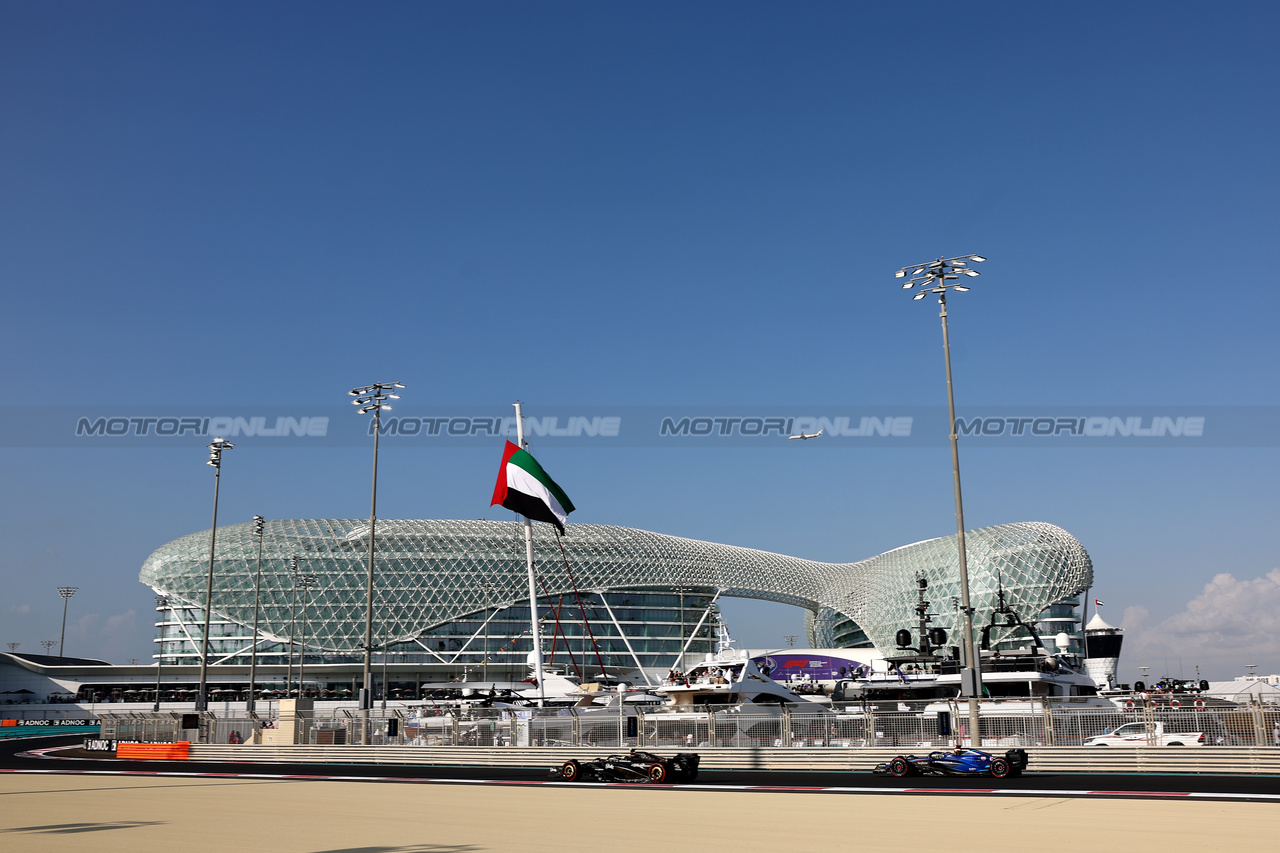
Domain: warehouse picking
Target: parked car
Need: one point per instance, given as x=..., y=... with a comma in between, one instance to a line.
x=1137, y=734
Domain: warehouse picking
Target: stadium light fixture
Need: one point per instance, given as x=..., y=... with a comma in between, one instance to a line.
x=66, y=592
x=216, y=448
x=372, y=398
x=941, y=273
x=162, y=603
x=259, y=528
x=306, y=581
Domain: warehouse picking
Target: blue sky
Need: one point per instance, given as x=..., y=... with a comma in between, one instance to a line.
x=647, y=204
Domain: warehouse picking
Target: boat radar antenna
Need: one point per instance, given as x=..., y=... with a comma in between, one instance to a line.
x=931, y=640
x=1011, y=618
x=922, y=614
x=723, y=640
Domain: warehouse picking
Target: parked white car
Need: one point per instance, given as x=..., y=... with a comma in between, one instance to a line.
x=1136, y=734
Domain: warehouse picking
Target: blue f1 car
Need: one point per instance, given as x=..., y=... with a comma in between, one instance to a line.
x=958, y=762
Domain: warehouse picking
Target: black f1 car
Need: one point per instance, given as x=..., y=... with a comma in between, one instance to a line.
x=958, y=762
x=635, y=766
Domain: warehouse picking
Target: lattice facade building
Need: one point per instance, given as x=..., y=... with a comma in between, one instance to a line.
x=455, y=591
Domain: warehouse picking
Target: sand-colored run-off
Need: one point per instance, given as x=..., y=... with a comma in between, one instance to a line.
x=107, y=814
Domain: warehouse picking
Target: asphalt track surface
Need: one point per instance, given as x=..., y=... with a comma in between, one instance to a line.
x=1243, y=787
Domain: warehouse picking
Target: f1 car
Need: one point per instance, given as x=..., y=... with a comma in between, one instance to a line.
x=957, y=762
x=635, y=766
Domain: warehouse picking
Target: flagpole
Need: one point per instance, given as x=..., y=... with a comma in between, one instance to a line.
x=1084, y=622
x=533, y=591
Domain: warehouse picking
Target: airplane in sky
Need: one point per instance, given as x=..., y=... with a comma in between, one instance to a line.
x=805, y=436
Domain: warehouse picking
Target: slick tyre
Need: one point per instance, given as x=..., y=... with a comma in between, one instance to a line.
x=1000, y=768
x=571, y=771
x=657, y=773
x=899, y=767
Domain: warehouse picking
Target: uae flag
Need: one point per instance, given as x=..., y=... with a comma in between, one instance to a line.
x=525, y=488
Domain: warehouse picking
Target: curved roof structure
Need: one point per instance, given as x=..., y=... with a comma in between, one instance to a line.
x=433, y=572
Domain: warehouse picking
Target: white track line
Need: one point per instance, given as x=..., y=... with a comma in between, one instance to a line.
x=779, y=789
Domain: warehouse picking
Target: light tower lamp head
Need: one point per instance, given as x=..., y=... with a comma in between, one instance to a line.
x=373, y=398
x=215, y=452
x=937, y=276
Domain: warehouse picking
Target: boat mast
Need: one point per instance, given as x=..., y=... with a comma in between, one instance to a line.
x=533, y=592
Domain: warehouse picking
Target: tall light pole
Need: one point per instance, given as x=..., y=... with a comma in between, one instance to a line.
x=215, y=461
x=66, y=592
x=162, y=602
x=48, y=644
x=306, y=581
x=259, y=526
x=372, y=398
x=939, y=276
x=386, y=685
x=489, y=589
x=293, y=620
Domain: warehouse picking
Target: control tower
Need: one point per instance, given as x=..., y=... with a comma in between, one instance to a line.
x=1102, y=650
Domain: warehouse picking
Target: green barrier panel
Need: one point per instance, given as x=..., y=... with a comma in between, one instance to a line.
x=38, y=731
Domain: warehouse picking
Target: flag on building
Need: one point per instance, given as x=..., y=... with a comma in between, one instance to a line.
x=525, y=488
x=1097, y=602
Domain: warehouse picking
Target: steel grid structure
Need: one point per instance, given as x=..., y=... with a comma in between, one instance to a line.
x=433, y=572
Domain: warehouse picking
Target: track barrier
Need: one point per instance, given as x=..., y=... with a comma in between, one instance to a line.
x=1068, y=759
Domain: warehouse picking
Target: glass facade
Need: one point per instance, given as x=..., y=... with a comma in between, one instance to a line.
x=437, y=582
x=657, y=627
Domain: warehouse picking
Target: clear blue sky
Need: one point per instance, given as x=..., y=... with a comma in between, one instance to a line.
x=647, y=203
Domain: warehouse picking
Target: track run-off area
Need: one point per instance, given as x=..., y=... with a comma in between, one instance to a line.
x=52, y=803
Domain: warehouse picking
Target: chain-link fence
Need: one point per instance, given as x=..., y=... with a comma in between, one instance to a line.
x=142, y=727
x=868, y=724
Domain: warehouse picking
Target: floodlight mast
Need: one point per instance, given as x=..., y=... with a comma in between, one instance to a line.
x=936, y=277
x=66, y=592
x=372, y=398
x=216, y=447
x=259, y=528
x=162, y=603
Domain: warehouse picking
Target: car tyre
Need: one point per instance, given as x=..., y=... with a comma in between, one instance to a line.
x=657, y=773
x=899, y=767
x=1000, y=768
x=571, y=770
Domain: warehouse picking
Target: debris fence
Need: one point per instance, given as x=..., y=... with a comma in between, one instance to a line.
x=871, y=724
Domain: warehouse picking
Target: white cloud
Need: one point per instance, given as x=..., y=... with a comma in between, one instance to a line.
x=1134, y=617
x=19, y=609
x=121, y=623
x=1229, y=624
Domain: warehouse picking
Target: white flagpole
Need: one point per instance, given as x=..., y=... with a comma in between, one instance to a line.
x=533, y=591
